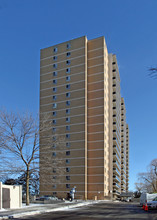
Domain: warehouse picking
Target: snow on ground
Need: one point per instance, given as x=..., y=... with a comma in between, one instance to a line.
x=2, y=210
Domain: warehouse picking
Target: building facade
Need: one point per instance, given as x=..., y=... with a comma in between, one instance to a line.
x=80, y=96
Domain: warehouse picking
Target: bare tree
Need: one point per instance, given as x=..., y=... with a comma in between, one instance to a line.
x=149, y=178
x=139, y=187
x=52, y=162
x=19, y=142
x=152, y=72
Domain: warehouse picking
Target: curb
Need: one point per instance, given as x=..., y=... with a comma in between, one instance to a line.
x=46, y=211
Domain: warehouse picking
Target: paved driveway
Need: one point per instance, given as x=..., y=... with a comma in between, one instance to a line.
x=103, y=210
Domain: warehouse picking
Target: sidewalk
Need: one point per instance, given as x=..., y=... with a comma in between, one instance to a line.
x=34, y=209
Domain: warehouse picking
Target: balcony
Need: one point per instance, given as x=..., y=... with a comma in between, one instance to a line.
x=116, y=185
x=116, y=157
x=123, y=181
x=116, y=150
x=114, y=88
x=123, y=166
x=116, y=142
x=116, y=171
x=123, y=190
x=122, y=159
x=116, y=192
x=123, y=176
x=116, y=179
x=116, y=165
x=123, y=154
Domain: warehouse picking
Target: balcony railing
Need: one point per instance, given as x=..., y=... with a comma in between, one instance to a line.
x=116, y=192
x=115, y=170
x=115, y=163
x=116, y=185
x=116, y=179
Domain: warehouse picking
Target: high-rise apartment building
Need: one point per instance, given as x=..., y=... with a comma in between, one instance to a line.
x=80, y=94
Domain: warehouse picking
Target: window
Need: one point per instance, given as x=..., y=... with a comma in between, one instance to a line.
x=54, y=193
x=114, y=85
x=54, y=154
x=55, y=65
x=67, y=161
x=67, y=135
x=68, y=54
x=67, y=144
x=55, y=58
x=68, y=78
x=68, y=186
x=67, y=111
x=54, y=177
x=67, y=169
x=68, y=94
x=67, y=177
x=54, y=146
x=68, y=119
x=54, y=113
x=68, y=62
x=55, y=73
x=68, y=70
x=54, y=81
x=68, y=103
x=114, y=77
x=54, y=121
x=114, y=70
x=54, y=170
x=68, y=45
x=68, y=127
x=113, y=63
x=54, y=89
x=68, y=86
x=55, y=49
x=54, y=186
x=67, y=153
x=54, y=138
x=54, y=97
x=54, y=129
x=54, y=105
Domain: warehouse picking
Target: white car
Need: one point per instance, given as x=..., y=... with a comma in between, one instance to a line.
x=153, y=204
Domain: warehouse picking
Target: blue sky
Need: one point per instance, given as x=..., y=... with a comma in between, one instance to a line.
x=129, y=27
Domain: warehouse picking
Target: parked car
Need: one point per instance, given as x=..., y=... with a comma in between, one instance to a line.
x=43, y=198
x=152, y=204
x=129, y=199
